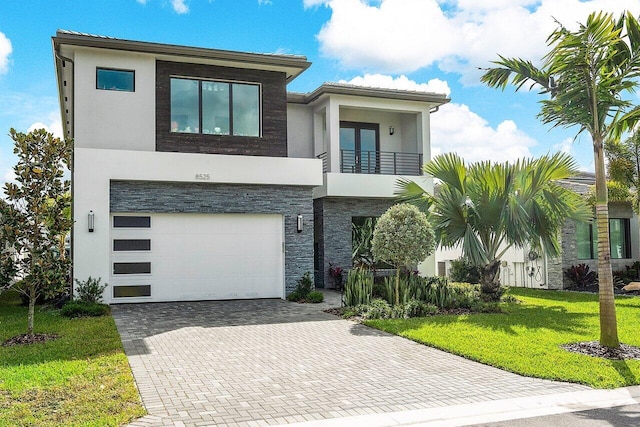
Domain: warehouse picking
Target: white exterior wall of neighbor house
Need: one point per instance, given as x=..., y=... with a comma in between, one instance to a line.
x=95, y=168
x=103, y=117
x=299, y=131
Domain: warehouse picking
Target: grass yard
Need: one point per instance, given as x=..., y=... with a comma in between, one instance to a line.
x=81, y=379
x=527, y=338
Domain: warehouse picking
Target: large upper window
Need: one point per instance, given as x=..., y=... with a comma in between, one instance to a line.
x=213, y=107
x=110, y=79
x=619, y=239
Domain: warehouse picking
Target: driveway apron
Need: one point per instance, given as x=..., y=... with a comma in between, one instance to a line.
x=272, y=362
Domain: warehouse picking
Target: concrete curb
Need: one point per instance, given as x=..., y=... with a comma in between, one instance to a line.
x=490, y=411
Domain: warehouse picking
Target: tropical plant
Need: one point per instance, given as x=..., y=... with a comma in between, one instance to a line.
x=590, y=74
x=488, y=208
x=33, y=220
x=361, y=236
x=358, y=288
x=581, y=276
x=403, y=237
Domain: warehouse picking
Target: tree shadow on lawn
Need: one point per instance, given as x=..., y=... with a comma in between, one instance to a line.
x=624, y=371
x=556, y=318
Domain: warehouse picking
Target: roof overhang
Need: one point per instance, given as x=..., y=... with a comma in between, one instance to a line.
x=436, y=99
x=291, y=65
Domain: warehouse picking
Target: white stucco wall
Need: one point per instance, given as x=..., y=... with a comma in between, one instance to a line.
x=114, y=119
x=95, y=168
x=364, y=185
x=300, y=131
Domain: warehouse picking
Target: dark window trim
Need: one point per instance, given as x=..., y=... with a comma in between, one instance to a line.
x=358, y=126
x=133, y=89
x=129, y=245
x=230, y=83
x=627, y=238
x=120, y=268
x=115, y=217
x=146, y=288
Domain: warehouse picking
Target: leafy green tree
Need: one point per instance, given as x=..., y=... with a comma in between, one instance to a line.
x=487, y=208
x=589, y=74
x=33, y=219
x=402, y=237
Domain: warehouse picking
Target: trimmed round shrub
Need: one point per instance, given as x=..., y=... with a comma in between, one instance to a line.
x=315, y=297
x=84, y=309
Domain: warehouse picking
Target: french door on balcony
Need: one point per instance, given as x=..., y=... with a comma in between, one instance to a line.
x=359, y=147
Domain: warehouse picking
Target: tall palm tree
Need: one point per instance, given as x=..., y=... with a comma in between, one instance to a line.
x=488, y=208
x=587, y=72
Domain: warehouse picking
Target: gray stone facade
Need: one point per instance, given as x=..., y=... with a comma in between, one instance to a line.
x=333, y=231
x=569, y=245
x=289, y=201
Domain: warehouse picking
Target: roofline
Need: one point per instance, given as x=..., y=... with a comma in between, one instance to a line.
x=372, y=92
x=298, y=62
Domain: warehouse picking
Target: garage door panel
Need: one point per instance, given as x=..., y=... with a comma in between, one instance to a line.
x=212, y=256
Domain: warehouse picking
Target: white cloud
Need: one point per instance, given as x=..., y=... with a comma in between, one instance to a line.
x=455, y=128
x=5, y=51
x=396, y=36
x=565, y=146
x=313, y=3
x=180, y=6
x=401, y=82
x=264, y=2
x=54, y=127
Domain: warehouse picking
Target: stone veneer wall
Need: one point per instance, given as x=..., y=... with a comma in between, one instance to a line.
x=569, y=245
x=333, y=230
x=289, y=201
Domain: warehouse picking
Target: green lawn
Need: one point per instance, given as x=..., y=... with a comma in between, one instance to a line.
x=81, y=379
x=527, y=338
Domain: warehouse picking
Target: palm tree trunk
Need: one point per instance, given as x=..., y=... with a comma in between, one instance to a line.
x=608, y=322
x=489, y=282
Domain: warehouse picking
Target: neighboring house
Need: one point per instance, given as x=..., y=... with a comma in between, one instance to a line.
x=526, y=268
x=197, y=176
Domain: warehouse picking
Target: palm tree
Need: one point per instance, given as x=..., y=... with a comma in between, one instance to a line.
x=488, y=208
x=587, y=72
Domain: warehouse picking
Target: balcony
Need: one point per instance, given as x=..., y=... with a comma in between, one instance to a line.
x=377, y=162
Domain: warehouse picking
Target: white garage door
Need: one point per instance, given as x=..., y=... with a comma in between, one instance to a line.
x=181, y=257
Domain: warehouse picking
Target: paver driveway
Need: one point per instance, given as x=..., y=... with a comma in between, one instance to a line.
x=269, y=362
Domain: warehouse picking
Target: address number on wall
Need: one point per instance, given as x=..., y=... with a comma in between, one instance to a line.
x=203, y=176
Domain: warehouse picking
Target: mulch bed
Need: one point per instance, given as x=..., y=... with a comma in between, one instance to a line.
x=26, y=339
x=594, y=349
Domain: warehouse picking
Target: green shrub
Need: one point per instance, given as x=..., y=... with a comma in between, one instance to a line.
x=315, y=297
x=376, y=309
x=294, y=296
x=358, y=288
x=89, y=291
x=303, y=289
x=463, y=271
x=84, y=309
x=415, y=308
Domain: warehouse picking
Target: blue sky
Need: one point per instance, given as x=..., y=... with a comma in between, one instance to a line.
x=433, y=45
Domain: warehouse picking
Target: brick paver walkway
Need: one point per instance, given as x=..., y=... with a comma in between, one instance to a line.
x=270, y=362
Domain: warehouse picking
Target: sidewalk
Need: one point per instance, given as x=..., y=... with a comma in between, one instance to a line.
x=492, y=411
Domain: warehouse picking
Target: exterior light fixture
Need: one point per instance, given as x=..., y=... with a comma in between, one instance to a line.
x=300, y=223
x=91, y=221
x=392, y=130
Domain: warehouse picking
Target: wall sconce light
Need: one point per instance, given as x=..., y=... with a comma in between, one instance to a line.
x=91, y=221
x=300, y=223
x=392, y=130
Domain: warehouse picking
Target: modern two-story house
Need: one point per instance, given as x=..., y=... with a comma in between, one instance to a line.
x=197, y=176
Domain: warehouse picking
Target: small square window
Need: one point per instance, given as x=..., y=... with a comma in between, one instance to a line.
x=120, y=80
